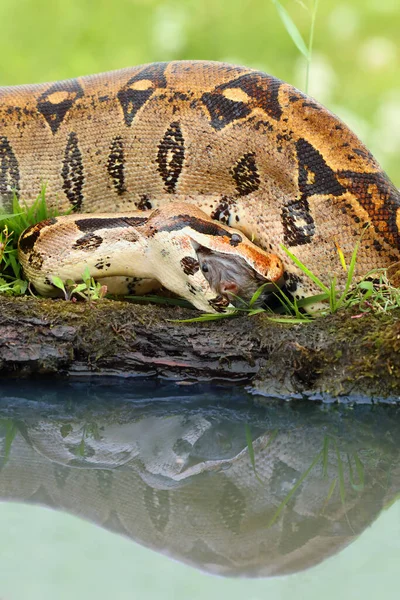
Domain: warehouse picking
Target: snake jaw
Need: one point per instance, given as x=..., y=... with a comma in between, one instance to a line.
x=275, y=270
x=265, y=265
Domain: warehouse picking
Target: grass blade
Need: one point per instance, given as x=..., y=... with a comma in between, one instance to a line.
x=58, y=282
x=11, y=432
x=294, y=489
x=291, y=320
x=291, y=28
x=206, y=317
x=342, y=490
x=312, y=300
x=258, y=293
x=306, y=271
x=325, y=453
x=332, y=488
x=350, y=273
x=333, y=295
x=358, y=487
x=341, y=257
x=255, y=311
x=249, y=442
x=311, y=42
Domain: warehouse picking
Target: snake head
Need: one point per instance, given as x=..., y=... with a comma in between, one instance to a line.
x=235, y=267
x=183, y=220
x=215, y=257
x=230, y=276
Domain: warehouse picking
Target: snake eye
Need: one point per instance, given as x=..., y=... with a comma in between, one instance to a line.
x=235, y=239
x=204, y=268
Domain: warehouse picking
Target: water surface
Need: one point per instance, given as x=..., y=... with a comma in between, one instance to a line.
x=203, y=475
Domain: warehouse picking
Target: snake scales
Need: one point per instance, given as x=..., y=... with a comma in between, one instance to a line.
x=248, y=149
x=177, y=246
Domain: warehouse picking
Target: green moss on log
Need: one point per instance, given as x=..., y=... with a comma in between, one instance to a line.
x=337, y=355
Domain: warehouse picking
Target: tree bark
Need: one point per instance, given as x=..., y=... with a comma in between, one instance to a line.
x=337, y=355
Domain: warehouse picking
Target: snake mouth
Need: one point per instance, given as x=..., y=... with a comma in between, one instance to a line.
x=256, y=291
x=232, y=278
x=269, y=291
x=243, y=299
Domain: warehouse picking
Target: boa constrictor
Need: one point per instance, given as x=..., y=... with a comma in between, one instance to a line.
x=178, y=245
x=248, y=149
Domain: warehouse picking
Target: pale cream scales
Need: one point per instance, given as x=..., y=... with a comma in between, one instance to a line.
x=172, y=245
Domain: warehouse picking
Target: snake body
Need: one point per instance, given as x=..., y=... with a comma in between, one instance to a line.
x=177, y=246
x=248, y=149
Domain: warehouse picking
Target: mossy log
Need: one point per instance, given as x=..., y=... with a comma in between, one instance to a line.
x=337, y=355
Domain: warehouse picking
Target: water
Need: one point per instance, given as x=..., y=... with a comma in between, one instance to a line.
x=223, y=483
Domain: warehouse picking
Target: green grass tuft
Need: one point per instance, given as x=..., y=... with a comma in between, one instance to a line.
x=11, y=227
x=88, y=290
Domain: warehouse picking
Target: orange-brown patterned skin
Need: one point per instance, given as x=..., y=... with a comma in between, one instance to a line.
x=131, y=249
x=248, y=149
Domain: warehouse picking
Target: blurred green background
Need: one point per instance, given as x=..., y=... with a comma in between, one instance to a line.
x=355, y=69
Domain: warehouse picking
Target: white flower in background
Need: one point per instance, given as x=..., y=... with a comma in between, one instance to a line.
x=383, y=6
x=386, y=134
x=343, y=22
x=377, y=53
x=382, y=136
x=322, y=77
x=168, y=35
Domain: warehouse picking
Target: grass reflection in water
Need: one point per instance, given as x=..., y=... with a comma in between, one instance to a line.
x=201, y=473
